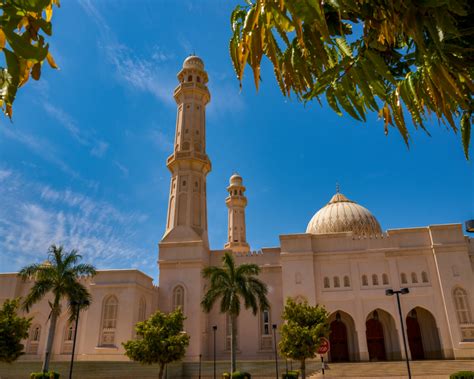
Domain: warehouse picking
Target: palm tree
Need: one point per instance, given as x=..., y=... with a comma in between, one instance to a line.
x=59, y=274
x=231, y=284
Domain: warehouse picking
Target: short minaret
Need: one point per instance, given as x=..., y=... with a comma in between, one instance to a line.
x=236, y=203
x=189, y=163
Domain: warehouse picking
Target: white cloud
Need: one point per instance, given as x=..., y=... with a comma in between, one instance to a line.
x=97, y=147
x=4, y=174
x=162, y=141
x=35, y=216
x=122, y=168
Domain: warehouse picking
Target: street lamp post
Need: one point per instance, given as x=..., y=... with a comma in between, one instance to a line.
x=275, y=347
x=402, y=291
x=214, y=328
x=78, y=305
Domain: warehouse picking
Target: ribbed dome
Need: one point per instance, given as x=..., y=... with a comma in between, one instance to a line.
x=344, y=215
x=193, y=61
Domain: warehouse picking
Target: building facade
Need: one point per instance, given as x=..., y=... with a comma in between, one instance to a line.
x=344, y=261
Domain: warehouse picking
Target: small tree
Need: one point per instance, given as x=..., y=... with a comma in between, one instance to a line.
x=161, y=340
x=13, y=329
x=302, y=331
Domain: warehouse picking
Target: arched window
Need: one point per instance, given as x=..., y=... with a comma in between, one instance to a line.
x=336, y=282
x=69, y=335
x=198, y=79
x=142, y=310
x=33, y=339
x=190, y=78
x=414, y=277
x=424, y=277
x=347, y=282
x=326, y=282
x=365, y=281
x=461, y=303
x=403, y=278
x=384, y=279
x=178, y=298
x=265, y=323
x=109, y=321
x=375, y=280
x=36, y=333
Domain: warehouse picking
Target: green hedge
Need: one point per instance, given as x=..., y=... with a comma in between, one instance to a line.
x=462, y=375
x=236, y=375
x=291, y=375
x=46, y=375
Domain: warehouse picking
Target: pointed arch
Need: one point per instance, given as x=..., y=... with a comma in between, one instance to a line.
x=382, y=337
x=142, y=309
x=462, y=306
x=109, y=321
x=343, y=337
x=179, y=296
x=422, y=334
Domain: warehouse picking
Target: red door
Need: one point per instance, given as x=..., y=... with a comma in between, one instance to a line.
x=414, y=338
x=375, y=340
x=338, y=340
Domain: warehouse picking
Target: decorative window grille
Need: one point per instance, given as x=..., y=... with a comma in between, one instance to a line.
x=403, y=278
x=375, y=280
x=336, y=282
x=414, y=277
x=347, y=282
x=365, y=281
x=384, y=279
x=178, y=298
x=326, y=282
x=424, y=277
x=109, y=321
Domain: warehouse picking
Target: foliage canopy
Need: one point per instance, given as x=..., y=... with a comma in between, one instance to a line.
x=404, y=58
x=161, y=340
x=24, y=25
x=231, y=284
x=13, y=329
x=60, y=274
x=302, y=330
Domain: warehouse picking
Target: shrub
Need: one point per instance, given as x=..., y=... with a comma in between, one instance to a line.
x=462, y=375
x=45, y=375
x=291, y=375
x=236, y=375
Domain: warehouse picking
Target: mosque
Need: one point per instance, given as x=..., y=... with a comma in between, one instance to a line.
x=344, y=261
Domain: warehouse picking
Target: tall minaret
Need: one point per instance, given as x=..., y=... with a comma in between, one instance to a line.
x=236, y=203
x=189, y=163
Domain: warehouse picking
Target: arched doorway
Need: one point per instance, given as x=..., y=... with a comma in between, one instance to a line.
x=338, y=340
x=382, y=336
x=375, y=338
x=343, y=338
x=414, y=337
x=422, y=333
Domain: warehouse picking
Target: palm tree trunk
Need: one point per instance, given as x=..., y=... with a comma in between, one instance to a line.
x=49, y=343
x=233, y=343
x=303, y=369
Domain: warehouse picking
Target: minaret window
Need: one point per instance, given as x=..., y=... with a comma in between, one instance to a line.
x=403, y=278
x=424, y=277
x=326, y=282
x=346, y=281
x=190, y=78
x=198, y=79
x=385, y=279
x=364, y=280
x=178, y=298
x=414, y=277
x=336, y=281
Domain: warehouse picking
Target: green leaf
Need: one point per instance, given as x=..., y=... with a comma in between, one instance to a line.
x=466, y=132
x=23, y=47
x=31, y=5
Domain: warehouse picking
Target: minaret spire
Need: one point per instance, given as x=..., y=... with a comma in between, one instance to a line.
x=189, y=163
x=236, y=203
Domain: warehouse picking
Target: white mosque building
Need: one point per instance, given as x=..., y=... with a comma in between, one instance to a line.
x=344, y=261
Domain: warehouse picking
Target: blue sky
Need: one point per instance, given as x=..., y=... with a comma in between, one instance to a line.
x=83, y=163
